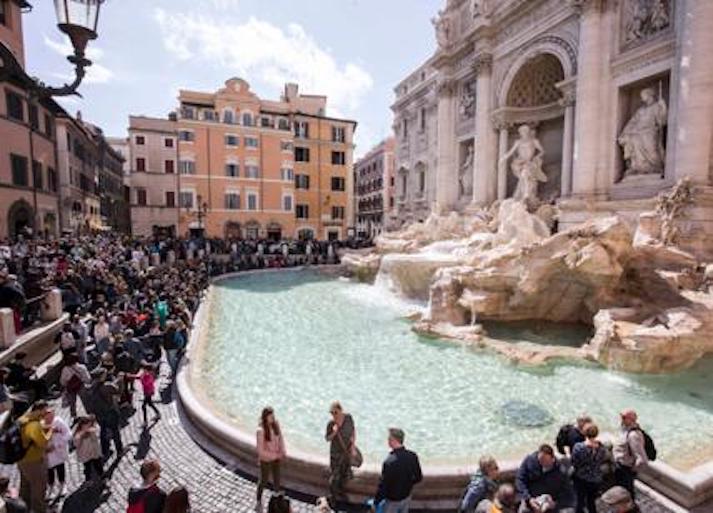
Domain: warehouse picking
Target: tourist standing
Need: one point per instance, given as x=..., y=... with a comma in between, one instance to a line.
x=101, y=335
x=341, y=435
x=177, y=501
x=147, y=497
x=88, y=447
x=629, y=451
x=399, y=473
x=102, y=403
x=482, y=486
x=571, y=434
x=57, y=452
x=270, y=452
x=73, y=377
x=542, y=483
x=587, y=460
x=148, y=386
x=33, y=467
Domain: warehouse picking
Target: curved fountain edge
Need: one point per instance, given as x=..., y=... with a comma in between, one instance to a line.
x=307, y=474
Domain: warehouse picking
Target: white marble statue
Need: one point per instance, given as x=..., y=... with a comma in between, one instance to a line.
x=645, y=18
x=642, y=137
x=467, y=101
x=443, y=29
x=527, y=165
x=465, y=175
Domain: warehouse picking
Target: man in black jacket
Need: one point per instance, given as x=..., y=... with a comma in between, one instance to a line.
x=400, y=471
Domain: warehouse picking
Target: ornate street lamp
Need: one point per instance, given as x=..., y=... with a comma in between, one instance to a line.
x=78, y=19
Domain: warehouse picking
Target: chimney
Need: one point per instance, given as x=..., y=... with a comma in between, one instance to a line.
x=291, y=92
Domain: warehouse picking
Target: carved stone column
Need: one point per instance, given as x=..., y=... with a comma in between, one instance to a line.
x=484, y=177
x=694, y=130
x=503, y=129
x=568, y=102
x=447, y=173
x=588, y=110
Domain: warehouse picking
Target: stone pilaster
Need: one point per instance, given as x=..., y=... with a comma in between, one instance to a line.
x=694, y=131
x=484, y=176
x=447, y=174
x=503, y=129
x=568, y=101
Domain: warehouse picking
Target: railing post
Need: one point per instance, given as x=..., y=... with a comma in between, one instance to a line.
x=7, y=328
x=51, y=306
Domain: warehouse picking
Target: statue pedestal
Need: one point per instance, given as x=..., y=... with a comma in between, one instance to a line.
x=639, y=187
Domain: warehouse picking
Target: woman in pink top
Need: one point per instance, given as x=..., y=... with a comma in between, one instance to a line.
x=270, y=451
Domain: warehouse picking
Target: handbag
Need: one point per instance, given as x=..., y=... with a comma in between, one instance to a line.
x=355, y=457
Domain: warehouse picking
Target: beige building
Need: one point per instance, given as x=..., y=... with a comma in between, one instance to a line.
x=374, y=189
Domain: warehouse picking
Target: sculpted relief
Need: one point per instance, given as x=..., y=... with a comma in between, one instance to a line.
x=466, y=103
x=481, y=8
x=645, y=18
x=642, y=137
x=465, y=173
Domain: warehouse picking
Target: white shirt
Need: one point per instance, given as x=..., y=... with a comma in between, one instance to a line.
x=58, y=446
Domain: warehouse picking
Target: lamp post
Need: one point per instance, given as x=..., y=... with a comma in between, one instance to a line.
x=78, y=19
x=201, y=212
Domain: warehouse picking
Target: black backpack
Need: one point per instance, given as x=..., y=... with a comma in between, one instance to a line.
x=11, y=448
x=562, y=440
x=649, y=445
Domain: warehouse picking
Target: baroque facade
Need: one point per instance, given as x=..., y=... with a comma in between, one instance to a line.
x=618, y=94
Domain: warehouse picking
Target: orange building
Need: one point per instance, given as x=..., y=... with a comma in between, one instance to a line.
x=256, y=168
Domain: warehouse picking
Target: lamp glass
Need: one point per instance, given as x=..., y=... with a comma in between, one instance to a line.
x=78, y=13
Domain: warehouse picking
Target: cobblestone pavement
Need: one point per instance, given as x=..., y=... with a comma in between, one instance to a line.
x=213, y=487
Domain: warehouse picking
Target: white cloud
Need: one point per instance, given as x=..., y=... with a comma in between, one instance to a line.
x=96, y=73
x=225, y=5
x=258, y=50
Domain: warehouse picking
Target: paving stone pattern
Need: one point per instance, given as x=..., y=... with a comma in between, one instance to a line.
x=213, y=487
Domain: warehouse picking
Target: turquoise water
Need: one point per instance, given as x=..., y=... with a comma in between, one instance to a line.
x=297, y=341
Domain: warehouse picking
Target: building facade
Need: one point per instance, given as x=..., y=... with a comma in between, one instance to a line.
x=29, y=201
x=606, y=85
x=153, y=176
x=255, y=168
x=374, y=189
x=416, y=145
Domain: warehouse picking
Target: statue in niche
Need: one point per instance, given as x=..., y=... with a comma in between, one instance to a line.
x=465, y=174
x=467, y=101
x=527, y=165
x=443, y=29
x=642, y=137
x=646, y=18
x=480, y=8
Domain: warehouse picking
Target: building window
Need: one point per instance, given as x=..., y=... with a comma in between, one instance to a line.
x=287, y=203
x=186, y=167
x=301, y=154
x=49, y=128
x=231, y=140
x=338, y=183
x=140, y=140
x=338, y=158
x=302, y=182
x=15, y=107
x=168, y=142
x=251, y=142
x=422, y=182
x=338, y=134
x=392, y=181
x=187, y=136
x=168, y=166
x=185, y=199
x=51, y=179
x=188, y=112
x=232, y=200
x=37, y=174
x=265, y=122
x=252, y=172
x=247, y=119
x=337, y=212
x=287, y=174
x=141, y=164
x=422, y=122
x=283, y=124
x=141, y=197
x=228, y=117
x=18, y=164
x=34, y=117
x=391, y=202
x=302, y=211
x=209, y=115
x=232, y=170
x=170, y=199
x=286, y=146
x=302, y=129
x=252, y=201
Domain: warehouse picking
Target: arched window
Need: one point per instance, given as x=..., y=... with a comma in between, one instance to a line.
x=228, y=117
x=247, y=119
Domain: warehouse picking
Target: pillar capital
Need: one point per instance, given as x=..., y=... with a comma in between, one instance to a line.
x=446, y=87
x=586, y=6
x=483, y=63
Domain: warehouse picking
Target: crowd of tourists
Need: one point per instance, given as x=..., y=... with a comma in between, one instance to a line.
x=131, y=304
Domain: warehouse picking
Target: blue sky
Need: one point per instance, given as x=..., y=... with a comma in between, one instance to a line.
x=354, y=51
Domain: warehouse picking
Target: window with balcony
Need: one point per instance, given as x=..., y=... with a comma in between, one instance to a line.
x=15, y=106
x=301, y=154
x=252, y=201
x=185, y=199
x=232, y=140
x=232, y=201
x=338, y=158
x=252, y=172
x=338, y=134
x=302, y=211
x=170, y=199
x=141, y=164
x=302, y=182
x=338, y=183
x=141, y=197
x=251, y=142
x=187, y=167
x=337, y=213
x=232, y=170
x=169, y=167
x=287, y=174
x=140, y=140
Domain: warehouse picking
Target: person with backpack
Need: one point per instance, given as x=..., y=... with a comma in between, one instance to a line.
x=72, y=379
x=88, y=447
x=147, y=497
x=632, y=450
x=587, y=460
x=57, y=452
x=103, y=404
x=34, y=436
x=571, y=434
